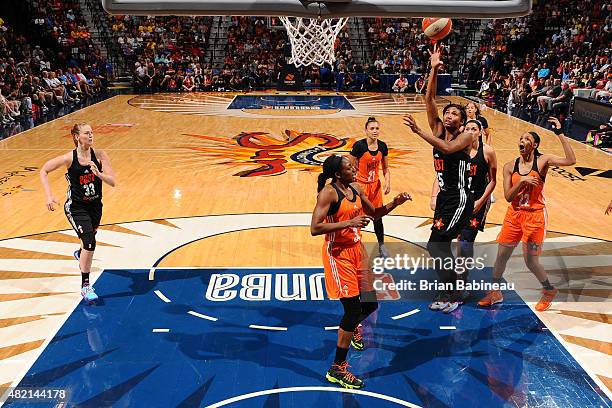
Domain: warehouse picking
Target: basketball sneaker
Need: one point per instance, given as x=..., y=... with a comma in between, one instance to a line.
x=357, y=340
x=546, y=300
x=492, y=297
x=88, y=294
x=450, y=307
x=383, y=252
x=77, y=254
x=339, y=374
x=438, y=303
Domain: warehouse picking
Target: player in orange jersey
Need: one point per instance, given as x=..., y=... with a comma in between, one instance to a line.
x=526, y=216
x=367, y=156
x=342, y=210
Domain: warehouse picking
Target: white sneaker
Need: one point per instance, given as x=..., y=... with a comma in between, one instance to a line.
x=450, y=307
x=88, y=294
x=438, y=305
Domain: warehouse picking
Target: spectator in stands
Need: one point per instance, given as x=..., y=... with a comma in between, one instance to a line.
x=560, y=104
x=400, y=84
x=420, y=84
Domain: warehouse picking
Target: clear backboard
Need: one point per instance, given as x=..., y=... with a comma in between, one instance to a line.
x=325, y=9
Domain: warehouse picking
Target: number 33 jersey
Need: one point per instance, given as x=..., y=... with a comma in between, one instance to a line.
x=83, y=185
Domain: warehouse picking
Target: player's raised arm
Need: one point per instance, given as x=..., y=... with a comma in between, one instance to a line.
x=430, y=96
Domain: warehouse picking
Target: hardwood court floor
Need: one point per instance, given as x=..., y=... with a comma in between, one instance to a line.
x=229, y=180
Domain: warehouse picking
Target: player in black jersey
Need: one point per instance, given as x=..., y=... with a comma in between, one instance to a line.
x=473, y=112
x=455, y=202
x=483, y=172
x=86, y=170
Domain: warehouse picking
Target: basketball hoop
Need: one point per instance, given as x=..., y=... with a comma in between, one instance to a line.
x=312, y=39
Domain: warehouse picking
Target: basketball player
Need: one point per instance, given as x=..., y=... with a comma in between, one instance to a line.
x=609, y=209
x=366, y=155
x=526, y=216
x=341, y=211
x=483, y=172
x=473, y=112
x=454, y=202
x=86, y=170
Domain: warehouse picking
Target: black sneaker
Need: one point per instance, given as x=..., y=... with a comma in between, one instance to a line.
x=339, y=374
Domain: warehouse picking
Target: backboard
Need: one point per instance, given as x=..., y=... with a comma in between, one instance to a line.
x=325, y=9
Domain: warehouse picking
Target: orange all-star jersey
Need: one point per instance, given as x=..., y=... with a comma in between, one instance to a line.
x=344, y=210
x=368, y=162
x=529, y=198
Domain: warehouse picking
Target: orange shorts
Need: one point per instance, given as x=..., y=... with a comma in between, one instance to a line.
x=347, y=273
x=374, y=192
x=528, y=227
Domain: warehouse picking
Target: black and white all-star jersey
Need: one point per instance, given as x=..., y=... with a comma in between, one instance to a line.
x=455, y=201
x=83, y=185
x=479, y=172
x=452, y=171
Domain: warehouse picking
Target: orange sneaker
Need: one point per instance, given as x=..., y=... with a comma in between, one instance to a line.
x=492, y=297
x=546, y=300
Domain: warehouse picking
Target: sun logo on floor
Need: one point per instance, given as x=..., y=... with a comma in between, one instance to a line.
x=266, y=155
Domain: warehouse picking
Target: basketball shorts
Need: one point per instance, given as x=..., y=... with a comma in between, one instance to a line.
x=476, y=222
x=84, y=218
x=452, y=213
x=374, y=192
x=347, y=273
x=528, y=227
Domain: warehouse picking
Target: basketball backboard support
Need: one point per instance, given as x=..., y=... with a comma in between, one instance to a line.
x=325, y=9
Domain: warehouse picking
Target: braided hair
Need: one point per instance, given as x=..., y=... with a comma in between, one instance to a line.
x=331, y=166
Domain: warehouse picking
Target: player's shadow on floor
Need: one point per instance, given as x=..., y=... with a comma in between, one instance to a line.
x=251, y=347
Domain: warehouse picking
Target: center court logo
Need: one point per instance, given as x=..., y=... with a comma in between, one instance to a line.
x=266, y=155
x=264, y=287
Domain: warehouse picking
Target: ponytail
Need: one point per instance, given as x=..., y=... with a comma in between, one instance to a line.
x=331, y=166
x=536, y=139
x=75, y=131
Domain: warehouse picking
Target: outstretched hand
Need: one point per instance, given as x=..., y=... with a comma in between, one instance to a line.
x=411, y=123
x=435, y=57
x=401, y=199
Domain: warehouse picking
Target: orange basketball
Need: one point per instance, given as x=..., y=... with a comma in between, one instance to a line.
x=437, y=28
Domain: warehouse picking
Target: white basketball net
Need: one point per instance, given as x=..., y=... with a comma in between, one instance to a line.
x=312, y=39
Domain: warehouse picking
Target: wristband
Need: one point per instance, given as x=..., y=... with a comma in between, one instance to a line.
x=558, y=131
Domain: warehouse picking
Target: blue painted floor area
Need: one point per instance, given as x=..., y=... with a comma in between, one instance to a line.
x=296, y=102
x=108, y=354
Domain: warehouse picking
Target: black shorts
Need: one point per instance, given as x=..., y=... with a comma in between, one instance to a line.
x=477, y=221
x=84, y=218
x=452, y=213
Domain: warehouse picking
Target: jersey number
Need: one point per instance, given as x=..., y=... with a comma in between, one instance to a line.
x=524, y=200
x=372, y=175
x=89, y=189
x=439, y=164
x=356, y=231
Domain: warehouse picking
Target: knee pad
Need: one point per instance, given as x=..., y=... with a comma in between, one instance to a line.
x=352, y=311
x=367, y=308
x=89, y=241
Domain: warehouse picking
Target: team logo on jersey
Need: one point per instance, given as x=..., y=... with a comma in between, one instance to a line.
x=266, y=155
